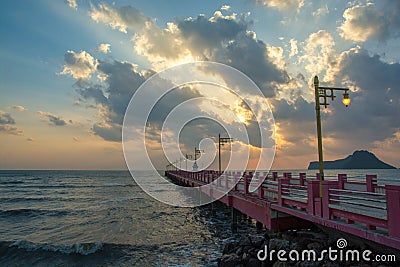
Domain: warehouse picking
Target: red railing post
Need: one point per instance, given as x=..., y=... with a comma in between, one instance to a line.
x=261, y=190
x=302, y=178
x=274, y=176
x=371, y=180
x=342, y=178
x=281, y=183
x=246, y=183
x=314, y=200
x=236, y=179
x=393, y=209
x=326, y=185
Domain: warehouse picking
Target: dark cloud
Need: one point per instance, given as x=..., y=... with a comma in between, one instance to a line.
x=203, y=36
x=7, y=123
x=299, y=110
x=52, y=119
x=374, y=111
x=5, y=118
x=228, y=40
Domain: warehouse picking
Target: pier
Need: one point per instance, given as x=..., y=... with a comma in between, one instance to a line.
x=360, y=208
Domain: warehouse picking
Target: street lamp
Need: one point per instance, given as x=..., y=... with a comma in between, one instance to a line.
x=221, y=142
x=322, y=92
x=196, y=152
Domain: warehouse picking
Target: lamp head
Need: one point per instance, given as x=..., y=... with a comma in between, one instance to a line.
x=346, y=99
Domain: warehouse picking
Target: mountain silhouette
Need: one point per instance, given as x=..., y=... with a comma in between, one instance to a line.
x=361, y=159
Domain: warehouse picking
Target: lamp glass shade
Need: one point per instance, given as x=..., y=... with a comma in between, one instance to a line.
x=346, y=99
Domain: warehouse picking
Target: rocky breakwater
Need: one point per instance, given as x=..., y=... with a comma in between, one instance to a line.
x=245, y=251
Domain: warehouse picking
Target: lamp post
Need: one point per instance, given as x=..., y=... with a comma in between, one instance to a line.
x=322, y=92
x=221, y=142
x=187, y=156
x=196, y=152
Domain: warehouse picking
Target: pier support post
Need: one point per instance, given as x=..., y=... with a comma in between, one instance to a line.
x=393, y=209
x=326, y=185
x=234, y=219
x=342, y=178
x=213, y=209
x=371, y=182
x=302, y=178
x=314, y=200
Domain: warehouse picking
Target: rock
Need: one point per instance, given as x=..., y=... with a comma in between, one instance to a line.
x=245, y=241
x=280, y=264
x=229, y=260
x=316, y=246
x=253, y=252
x=308, y=264
x=246, y=249
x=228, y=247
x=253, y=263
x=330, y=264
x=245, y=257
x=302, y=243
x=278, y=244
x=257, y=240
x=239, y=251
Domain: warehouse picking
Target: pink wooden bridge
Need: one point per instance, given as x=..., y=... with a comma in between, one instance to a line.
x=361, y=208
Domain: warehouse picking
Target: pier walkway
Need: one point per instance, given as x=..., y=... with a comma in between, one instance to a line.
x=361, y=208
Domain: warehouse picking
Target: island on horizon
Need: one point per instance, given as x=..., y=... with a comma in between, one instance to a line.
x=360, y=159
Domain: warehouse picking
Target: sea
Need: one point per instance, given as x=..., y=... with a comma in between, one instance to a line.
x=103, y=218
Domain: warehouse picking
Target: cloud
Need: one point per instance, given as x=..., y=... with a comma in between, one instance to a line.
x=363, y=22
x=222, y=38
x=104, y=48
x=318, y=52
x=108, y=131
x=80, y=65
x=10, y=129
x=52, y=119
x=7, y=123
x=121, y=19
x=321, y=11
x=5, y=118
x=294, y=50
x=72, y=4
x=19, y=108
x=282, y=5
x=225, y=7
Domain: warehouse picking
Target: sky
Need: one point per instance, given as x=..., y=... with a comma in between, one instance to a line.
x=68, y=70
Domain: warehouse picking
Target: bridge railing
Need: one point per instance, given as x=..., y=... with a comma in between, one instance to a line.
x=376, y=207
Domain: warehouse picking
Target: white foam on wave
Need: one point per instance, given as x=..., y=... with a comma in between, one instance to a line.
x=83, y=249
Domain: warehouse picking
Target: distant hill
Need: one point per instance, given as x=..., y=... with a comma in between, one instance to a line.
x=361, y=159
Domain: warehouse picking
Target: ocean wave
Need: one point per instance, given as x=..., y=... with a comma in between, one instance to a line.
x=33, y=212
x=24, y=199
x=11, y=182
x=79, y=248
x=114, y=184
